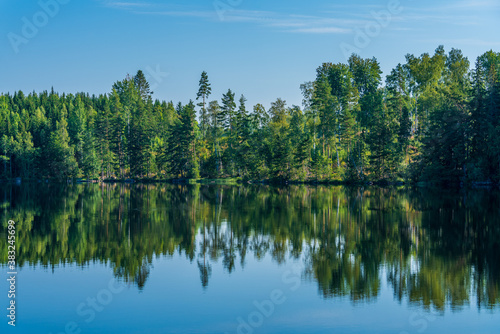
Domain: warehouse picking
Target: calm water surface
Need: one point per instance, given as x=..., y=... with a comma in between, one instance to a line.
x=251, y=259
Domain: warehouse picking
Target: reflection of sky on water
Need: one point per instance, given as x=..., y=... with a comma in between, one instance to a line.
x=197, y=259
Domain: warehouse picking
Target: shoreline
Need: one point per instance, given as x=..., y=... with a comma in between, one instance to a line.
x=238, y=181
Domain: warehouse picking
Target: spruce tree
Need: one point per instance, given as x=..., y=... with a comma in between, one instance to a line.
x=142, y=86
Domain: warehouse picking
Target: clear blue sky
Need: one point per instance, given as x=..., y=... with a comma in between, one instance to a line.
x=263, y=49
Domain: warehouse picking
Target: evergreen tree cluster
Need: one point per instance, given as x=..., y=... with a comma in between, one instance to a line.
x=434, y=120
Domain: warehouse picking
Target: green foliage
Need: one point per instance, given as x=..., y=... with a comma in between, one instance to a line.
x=60, y=155
x=434, y=120
x=352, y=239
x=204, y=92
x=142, y=86
x=181, y=144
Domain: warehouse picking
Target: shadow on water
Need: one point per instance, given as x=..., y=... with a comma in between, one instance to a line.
x=433, y=248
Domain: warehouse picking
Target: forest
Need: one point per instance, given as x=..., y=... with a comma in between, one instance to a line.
x=434, y=119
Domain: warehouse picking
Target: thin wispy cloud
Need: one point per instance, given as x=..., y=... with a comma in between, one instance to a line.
x=442, y=19
x=336, y=19
x=481, y=4
x=125, y=5
x=177, y=13
x=462, y=13
x=293, y=23
x=322, y=30
x=287, y=24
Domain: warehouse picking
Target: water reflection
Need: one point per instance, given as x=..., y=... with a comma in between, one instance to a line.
x=432, y=248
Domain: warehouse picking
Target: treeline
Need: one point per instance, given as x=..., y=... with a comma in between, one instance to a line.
x=433, y=120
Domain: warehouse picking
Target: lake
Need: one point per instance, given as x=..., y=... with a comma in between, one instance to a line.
x=160, y=258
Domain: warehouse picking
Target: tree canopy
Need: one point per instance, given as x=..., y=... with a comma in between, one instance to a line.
x=433, y=119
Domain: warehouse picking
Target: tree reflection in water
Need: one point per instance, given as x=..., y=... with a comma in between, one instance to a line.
x=432, y=247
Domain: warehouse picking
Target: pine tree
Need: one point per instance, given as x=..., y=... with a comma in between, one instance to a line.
x=142, y=86
x=103, y=143
x=59, y=154
x=380, y=138
x=227, y=120
x=215, y=131
x=204, y=92
x=326, y=106
x=446, y=144
x=242, y=129
x=90, y=163
x=259, y=118
x=280, y=148
x=7, y=147
x=118, y=140
x=181, y=148
x=300, y=143
x=228, y=108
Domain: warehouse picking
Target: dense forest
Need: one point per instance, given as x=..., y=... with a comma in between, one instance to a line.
x=434, y=119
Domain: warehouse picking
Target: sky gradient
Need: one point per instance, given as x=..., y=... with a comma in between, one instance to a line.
x=263, y=49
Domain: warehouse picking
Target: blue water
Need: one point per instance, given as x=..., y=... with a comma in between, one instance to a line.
x=174, y=302
x=140, y=284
